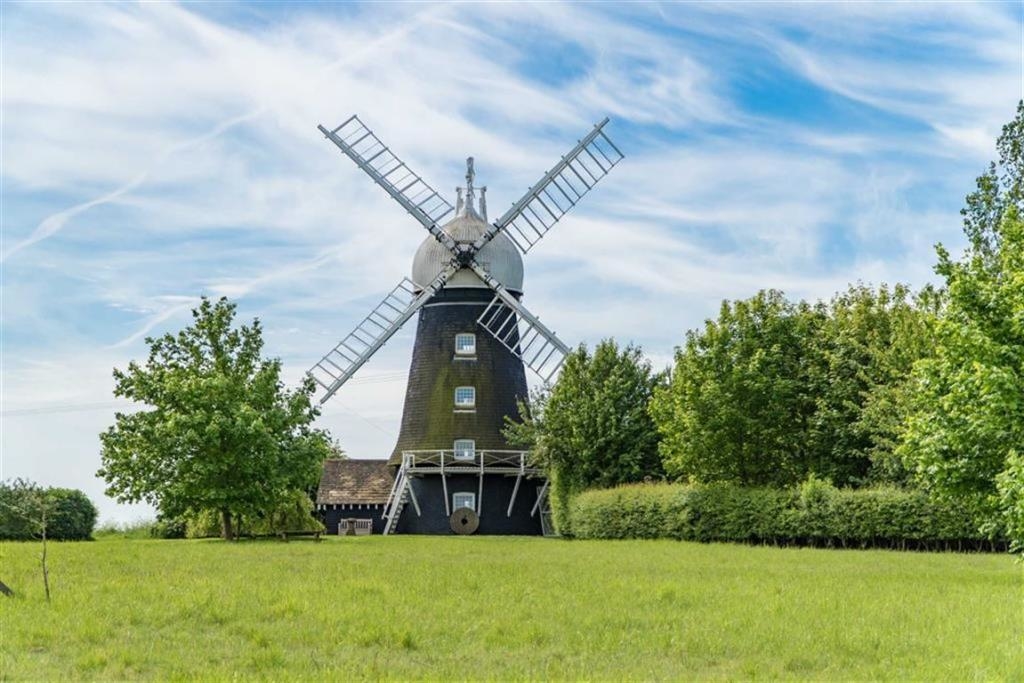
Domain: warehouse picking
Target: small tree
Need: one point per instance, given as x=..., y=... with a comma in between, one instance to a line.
x=26, y=510
x=219, y=432
x=593, y=427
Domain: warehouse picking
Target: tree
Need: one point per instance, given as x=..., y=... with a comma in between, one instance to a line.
x=593, y=429
x=219, y=432
x=74, y=515
x=773, y=391
x=738, y=403
x=859, y=363
x=965, y=435
x=26, y=511
x=71, y=516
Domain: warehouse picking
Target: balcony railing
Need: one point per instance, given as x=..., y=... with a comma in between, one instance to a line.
x=452, y=461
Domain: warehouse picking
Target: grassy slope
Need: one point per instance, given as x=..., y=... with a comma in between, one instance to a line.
x=412, y=607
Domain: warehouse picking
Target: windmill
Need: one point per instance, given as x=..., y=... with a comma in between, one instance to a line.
x=474, y=337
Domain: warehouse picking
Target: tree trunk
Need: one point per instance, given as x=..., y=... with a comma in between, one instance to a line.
x=46, y=570
x=226, y=530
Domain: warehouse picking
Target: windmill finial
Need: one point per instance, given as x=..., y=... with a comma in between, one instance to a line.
x=483, y=203
x=467, y=205
x=470, y=177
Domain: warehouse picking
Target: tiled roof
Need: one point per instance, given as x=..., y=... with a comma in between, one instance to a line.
x=355, y=481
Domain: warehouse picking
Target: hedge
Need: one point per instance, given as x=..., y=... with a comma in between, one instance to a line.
x=815, y=514
x=73, y=517
x=70, y=515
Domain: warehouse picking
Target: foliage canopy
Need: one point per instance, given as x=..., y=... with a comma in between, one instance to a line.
x=27, y=510
x=593, y=428
x=965, y=435
x=772, y=391
x=219, y=431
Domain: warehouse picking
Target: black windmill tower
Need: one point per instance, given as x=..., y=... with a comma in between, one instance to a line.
x=453, y=469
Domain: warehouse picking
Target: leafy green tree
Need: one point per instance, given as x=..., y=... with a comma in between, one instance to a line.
x=70, y=515
x=859, y=364
x=773, y=391
x=219, y=430
x=26, y=511
x=1010, y=502
x=966, y=433
x=738, y=403
x=17, y=505
x=592, y=428
x=73, y=517
x=295, y=513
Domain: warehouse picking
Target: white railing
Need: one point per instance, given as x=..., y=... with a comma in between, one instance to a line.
x=452, y=460
x=444, y=462
x=360, y=527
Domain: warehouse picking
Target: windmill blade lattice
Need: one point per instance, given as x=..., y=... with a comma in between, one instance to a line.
x=404, y=185
x=352, y=352
x=558, y=191
x=525, y=223
x=519, y=331
x=522, y=333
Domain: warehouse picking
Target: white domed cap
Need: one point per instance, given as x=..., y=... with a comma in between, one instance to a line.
x=499, y=256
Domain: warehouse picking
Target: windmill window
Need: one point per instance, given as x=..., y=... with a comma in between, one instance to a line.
x=465, y=344
x=465, y=449
x=464, y=499
x=465, y=397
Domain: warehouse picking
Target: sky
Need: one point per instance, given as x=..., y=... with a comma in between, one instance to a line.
x=155, y=153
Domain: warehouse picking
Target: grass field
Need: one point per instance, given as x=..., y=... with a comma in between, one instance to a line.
x=501, y=608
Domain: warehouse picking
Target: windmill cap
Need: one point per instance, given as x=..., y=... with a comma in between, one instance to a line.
x=499, y=256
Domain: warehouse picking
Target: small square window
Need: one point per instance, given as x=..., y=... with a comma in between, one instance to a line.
x=465, y=449
x=465, y=344
x=465, y=397
x=464, y=500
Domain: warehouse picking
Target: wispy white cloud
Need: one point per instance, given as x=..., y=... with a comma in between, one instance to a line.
x=127, y=195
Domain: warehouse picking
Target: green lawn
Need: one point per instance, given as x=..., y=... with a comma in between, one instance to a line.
x=501, y=608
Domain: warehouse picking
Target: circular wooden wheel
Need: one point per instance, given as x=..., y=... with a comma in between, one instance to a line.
x=464, y=521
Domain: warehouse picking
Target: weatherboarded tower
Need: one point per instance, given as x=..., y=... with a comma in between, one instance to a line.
x=452, y=470
x=461, y=387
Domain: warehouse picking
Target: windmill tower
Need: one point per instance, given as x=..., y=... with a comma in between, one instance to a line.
x=453, y=469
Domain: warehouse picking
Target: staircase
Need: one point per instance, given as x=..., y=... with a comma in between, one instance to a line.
x=397, y=500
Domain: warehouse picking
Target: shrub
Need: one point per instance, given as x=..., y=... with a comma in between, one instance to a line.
x=168, y=527
x=16, y=522
x=205, y=524
x=816, y=513
x=70, y=515
x=73, y=515
x=295, y=513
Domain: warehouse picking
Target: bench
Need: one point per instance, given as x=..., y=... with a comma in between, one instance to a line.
x=355, y=527
x=284, y=535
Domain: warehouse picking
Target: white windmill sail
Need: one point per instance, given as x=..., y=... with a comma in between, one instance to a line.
x=341, y=362
x=404, y=185
x=520, y=331
x=525, y=223
x=561, y=188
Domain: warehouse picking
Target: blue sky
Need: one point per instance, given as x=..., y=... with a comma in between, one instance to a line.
x=154, y=153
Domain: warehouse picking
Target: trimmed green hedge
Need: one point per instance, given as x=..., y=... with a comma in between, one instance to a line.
x=69, y=514
x=815, y=514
